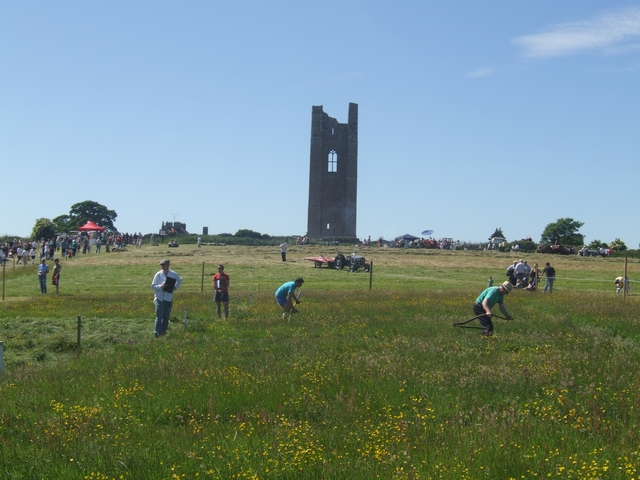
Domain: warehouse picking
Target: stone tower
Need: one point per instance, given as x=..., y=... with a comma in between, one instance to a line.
x=333, y=175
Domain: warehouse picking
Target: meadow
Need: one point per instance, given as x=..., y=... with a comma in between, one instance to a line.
x=362, y=383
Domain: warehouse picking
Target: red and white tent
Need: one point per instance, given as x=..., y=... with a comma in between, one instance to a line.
x=91, y=226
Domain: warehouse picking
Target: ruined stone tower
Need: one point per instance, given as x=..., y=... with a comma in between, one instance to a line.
x=333, y=175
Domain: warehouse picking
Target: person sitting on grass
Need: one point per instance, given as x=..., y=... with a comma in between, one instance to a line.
x=486, y=301
x=286, y=298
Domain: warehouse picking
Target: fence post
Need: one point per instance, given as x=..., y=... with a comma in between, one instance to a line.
x=185, y=318
x=202, y=284
x=370, y=274
x=250, y=300
x=78, y=347
x=1, y=358
x=4, y=269
x=625, y=283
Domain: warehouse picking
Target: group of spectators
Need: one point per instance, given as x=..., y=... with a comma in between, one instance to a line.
x=25, y=252
x=65, y=246
x=522, y=275
x=603, y=252
x=442, y=244
x=302, y=240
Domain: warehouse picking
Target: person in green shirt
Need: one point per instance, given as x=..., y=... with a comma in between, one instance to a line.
x=486, y=301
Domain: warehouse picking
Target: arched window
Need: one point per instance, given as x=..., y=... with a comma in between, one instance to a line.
x=333, y=161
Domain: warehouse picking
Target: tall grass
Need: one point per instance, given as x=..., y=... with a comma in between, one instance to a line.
x=360, y=384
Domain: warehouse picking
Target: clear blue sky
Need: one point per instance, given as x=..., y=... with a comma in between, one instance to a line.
x=472, y=115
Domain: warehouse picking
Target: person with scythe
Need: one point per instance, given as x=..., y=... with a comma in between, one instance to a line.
x=486, y=301
x=286, y=298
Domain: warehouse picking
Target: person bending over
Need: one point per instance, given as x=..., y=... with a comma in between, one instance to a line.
x=486, y=301
x=286, y=298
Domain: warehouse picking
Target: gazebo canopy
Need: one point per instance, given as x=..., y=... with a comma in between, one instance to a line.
x=91, y=226
x=406, y=236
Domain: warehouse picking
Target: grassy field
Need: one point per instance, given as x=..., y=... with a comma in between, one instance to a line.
x=362, y=383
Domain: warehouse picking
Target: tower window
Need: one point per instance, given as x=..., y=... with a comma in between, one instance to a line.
x=333, y=161
x=328, y=225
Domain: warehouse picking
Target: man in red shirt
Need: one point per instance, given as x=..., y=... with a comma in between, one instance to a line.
x=221, y=285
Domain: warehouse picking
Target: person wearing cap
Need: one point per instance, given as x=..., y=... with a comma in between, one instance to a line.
x=486, y=301
x=164, y=284
x=286, y=298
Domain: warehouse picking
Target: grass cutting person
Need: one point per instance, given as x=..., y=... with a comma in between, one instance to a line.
x=486, y=301
x=286, y=297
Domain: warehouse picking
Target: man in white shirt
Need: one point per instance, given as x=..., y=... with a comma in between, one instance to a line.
x=164, y=283
x=520, y=270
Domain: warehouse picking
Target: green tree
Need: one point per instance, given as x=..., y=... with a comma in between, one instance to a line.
x=243, y=232
x=82, y=212
x=43, y=228
x=617, y=246
x=564, y=231
x=63, y=223
x=498, y=233
x=596, y=244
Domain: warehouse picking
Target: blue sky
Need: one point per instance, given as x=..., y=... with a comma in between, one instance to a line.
x=472, y=115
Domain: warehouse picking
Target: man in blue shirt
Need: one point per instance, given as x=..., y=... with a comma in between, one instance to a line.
x=486, y=301
x=43, y=269
x=286, y=298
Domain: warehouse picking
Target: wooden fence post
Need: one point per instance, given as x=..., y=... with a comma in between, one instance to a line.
x=625, y=282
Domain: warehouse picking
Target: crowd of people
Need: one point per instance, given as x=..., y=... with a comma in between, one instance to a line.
x=66, y=246
x=25, y=252
x=524, y=276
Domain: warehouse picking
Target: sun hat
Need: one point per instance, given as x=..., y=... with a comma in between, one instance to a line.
x=507, y=286
x=165, y=261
